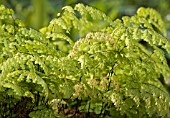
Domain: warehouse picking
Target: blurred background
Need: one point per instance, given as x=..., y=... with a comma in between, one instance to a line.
x=38, y=13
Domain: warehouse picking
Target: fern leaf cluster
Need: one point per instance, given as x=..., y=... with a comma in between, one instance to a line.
x=85, y=59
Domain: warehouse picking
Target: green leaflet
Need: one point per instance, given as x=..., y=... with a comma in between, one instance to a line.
x=88, y=63
x=42, y=112
x=5, y=13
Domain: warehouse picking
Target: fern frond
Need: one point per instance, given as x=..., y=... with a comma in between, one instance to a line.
x=13, y=68
x=129, y=62
x=153, y=17
x=75, y=18
x=5, y=13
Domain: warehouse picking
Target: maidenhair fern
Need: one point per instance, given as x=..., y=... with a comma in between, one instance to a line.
x=84, y=64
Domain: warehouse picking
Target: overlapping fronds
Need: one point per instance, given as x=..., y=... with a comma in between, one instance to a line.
x=83, y=59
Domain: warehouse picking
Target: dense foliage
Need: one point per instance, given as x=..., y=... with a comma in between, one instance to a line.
x=114, y=69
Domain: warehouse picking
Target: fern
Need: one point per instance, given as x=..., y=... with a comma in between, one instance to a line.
x=87, y=63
